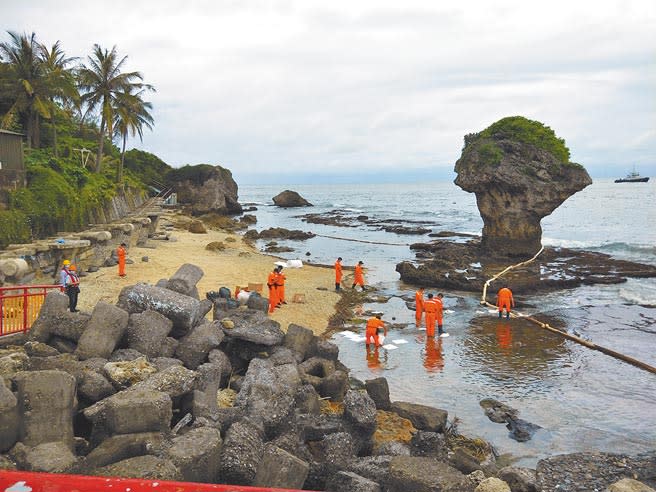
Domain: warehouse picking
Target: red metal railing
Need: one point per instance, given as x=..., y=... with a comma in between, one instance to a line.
x=20, y=306
x=18, y=481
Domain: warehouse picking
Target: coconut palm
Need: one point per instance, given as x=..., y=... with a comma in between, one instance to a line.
x=24, y=84
x=131, y=115
x=101, y=83
x=59, y=80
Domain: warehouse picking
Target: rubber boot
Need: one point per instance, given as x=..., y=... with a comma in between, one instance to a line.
x=500, y=314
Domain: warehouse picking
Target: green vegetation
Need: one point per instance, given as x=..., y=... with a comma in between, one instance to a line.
x=69, y=112
x=490, y=153
x=530, y=132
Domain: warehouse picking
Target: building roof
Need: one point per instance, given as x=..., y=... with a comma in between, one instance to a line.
x=7, y=132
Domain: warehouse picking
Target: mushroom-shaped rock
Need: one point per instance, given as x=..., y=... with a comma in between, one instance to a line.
x=520, y=172
x=289, y=198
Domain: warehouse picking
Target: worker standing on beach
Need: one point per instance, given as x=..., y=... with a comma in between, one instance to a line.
x=505, y=300
x=272, y=284
x=280, y=281
x=121, y=252
x=71, y=282
x=374, y=325
x=419, y=305
x=338, y=274
x=430, y=308
x=359, y=275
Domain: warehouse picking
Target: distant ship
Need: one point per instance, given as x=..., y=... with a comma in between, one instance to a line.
x=633, y=177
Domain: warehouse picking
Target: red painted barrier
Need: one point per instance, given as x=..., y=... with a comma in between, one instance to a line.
x=20, y=306
x=18, y=481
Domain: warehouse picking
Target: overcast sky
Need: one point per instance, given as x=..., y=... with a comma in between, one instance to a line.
x=340, y=91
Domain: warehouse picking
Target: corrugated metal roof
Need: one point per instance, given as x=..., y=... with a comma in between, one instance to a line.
x=11, y=133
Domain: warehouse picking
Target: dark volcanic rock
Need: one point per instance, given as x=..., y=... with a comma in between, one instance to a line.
x=206, y=189
x=288, y=199
x=517, y=183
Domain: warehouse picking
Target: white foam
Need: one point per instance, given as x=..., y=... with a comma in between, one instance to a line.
x=389, y=346
x=639, y=291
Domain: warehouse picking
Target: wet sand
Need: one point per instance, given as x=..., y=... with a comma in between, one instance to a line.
x=239, y=264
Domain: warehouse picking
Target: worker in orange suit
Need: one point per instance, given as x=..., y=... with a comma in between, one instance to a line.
x=280, y=281
x=439, y=315
x=433, y=360
x=505, y=300
x=374, y=325
x=359, y=275
x=338, y=274
x=419, y=305
x=121, y=252
x=272, y=284
x=430, y=308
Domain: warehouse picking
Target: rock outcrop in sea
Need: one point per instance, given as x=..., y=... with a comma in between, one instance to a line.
x=206, y=189
x=520, y=173
x=151, y=388
x=289, y=199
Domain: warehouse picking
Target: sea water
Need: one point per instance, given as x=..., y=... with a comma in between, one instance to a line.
x=582, y=399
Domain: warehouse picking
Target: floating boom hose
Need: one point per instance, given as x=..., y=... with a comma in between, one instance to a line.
x=362, y=240
x=579, y=340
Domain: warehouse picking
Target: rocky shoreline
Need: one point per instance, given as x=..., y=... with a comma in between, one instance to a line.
x=150, y=388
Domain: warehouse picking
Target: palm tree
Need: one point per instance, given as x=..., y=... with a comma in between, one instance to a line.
x=101, y=84
x=130, y=116
x=60, y=81
x=25, y=84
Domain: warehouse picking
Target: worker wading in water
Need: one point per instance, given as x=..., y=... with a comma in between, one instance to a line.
x=374, y=325
x=359, y=275
x=439, y=315
x=121, y=252
x=419, y=305
x=338, y=274
x=505, y=300
x=430, y=308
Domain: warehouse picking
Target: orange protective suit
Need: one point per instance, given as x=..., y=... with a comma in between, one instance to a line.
x=120, y=253
x=273, y=290
x=280, y=280
x=373, y=324
x=419, y=306
x=359, y=276
x=505, y=300
x=338, y=274
x=433, y=360
x=430, y=308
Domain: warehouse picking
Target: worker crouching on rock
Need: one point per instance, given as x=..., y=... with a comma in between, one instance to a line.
x=374, y=325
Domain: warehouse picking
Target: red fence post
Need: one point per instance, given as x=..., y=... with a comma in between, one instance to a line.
x=25, y=309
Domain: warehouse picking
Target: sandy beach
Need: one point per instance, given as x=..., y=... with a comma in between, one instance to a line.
x=237, y=265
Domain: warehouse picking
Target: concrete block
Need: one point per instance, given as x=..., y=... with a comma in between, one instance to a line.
x=135, y=411
x=103, y=333
x=46, y=401
x=281, y=469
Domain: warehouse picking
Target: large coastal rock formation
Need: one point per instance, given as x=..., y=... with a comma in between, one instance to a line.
x=520, y=172
x=206, y=189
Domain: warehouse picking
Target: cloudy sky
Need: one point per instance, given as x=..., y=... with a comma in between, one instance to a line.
x=296, y=91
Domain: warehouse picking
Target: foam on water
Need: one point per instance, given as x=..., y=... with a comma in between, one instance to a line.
x=639, y=292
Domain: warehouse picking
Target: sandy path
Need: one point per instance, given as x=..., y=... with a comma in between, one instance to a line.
x=238, y=264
